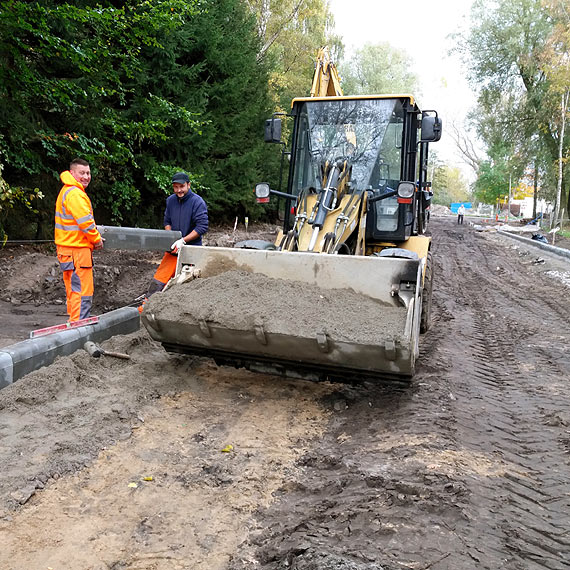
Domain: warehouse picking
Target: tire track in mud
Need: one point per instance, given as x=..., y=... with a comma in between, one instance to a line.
x=533, y=477
x=523, y=424
x=467, y=469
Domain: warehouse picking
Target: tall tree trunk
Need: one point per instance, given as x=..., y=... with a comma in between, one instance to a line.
x=269, y=42
x=568, y=204
x=535, y=191
x=263, y=18
x=563, y=107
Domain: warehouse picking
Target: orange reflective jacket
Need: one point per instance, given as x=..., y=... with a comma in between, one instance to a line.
x=74, y=222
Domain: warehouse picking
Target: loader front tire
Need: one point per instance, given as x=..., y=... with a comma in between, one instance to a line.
x=425, y=321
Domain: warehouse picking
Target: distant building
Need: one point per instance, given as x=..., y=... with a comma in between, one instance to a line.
x=525, y=207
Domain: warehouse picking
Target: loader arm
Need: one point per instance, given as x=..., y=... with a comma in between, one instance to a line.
x=326, y=80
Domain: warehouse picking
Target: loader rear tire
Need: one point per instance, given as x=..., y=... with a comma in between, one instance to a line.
x=425, y=321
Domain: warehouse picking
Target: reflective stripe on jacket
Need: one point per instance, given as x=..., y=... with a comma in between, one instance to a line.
x=74, y=222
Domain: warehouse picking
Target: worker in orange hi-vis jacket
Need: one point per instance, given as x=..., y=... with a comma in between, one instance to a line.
x=76, y=237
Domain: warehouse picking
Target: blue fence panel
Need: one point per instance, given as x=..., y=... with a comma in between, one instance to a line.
x=455, y=206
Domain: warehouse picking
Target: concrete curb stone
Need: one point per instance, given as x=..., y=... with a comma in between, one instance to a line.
x=545, y=246
x=24, y=357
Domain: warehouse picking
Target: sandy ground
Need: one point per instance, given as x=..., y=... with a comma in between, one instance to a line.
x=167, y=462
x=32, y=295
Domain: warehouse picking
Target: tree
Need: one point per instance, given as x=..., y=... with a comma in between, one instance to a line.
x=378, y=69
x=231, y=156
x=291, y=33
x=505, y=52
x=146, y=88
x=556, y=58
x=463, y=139
x=65, y=94
x=448, y=183
x=14, y=201
x=492, y=183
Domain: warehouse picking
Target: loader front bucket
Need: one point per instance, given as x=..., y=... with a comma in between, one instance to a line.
x=296, y=314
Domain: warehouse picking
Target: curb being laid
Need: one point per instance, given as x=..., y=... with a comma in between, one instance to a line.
x=560, y=251
x=24, y=357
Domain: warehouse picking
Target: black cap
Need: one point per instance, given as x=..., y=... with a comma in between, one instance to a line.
x=180, y=178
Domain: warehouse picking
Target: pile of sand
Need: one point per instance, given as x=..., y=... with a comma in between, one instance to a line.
x=240, y=300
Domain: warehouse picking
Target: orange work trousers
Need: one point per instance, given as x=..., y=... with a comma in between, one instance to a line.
x=164, y=273
x=77, y=266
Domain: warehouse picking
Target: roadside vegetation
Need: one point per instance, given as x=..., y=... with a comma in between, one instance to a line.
x=144, y=88
x=516, y=54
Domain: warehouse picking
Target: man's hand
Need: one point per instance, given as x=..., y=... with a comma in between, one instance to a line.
x=99, y=244
x=175, y=247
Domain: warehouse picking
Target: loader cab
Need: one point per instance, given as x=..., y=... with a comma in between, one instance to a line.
x=378, y=136
x=367, y=132
x=391, y=218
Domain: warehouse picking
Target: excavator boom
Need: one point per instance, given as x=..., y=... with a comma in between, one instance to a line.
x=326, y=80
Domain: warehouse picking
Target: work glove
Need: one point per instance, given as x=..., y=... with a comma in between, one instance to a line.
x=175, y=247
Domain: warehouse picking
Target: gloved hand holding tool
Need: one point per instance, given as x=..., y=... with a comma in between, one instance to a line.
x=175, y=247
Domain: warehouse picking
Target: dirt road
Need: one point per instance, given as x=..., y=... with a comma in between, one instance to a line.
x=169, y=463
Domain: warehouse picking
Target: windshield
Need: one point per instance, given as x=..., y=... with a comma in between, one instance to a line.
x=367, y=133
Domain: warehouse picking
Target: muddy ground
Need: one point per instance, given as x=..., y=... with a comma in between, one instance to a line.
x=167, y=462
x=32, y=295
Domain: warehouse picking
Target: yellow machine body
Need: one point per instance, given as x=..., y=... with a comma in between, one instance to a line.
x=357, y=205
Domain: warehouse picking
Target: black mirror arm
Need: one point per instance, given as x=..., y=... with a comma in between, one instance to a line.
x=283, y=194
x=382, y=196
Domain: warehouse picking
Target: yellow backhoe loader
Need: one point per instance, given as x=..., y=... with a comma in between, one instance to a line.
x=356, y=210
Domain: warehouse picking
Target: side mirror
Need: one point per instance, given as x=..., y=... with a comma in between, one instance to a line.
x=262, y=192
x=431, y=127
x=273, y=130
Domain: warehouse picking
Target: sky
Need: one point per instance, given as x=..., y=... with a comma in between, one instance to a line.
x=442, y=79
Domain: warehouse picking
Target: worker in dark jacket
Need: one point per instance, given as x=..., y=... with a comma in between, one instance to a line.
x=186, y=212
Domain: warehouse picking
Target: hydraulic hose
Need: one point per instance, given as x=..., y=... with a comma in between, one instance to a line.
x=325, y=201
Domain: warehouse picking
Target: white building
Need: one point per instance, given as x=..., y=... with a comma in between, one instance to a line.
x=526, y=206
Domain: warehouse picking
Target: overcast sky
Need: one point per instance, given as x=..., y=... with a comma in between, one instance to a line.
x=443, y=86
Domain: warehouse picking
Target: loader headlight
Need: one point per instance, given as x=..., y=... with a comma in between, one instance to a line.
x=406, y=189
x=262, y=190
x=262, y=193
